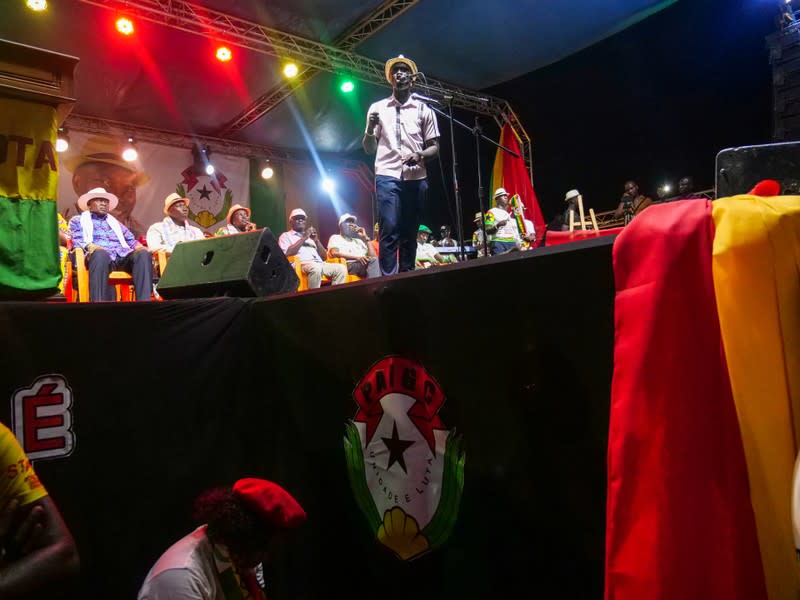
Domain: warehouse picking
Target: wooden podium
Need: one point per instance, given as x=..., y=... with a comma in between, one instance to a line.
x=38, y=75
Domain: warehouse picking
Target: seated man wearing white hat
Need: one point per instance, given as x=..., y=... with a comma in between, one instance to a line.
x=175, y=227
x=109, y=246
x=238, y=221
x=352, y=244
x=504, y=235
x=304, y=243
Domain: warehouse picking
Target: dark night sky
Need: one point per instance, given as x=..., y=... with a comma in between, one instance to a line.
x=652, y=103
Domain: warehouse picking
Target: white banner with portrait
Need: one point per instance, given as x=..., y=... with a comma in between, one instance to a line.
x=96, y=161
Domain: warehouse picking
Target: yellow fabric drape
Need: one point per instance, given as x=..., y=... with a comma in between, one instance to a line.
x=756, y=270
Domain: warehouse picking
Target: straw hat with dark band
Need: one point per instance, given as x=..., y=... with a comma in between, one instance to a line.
x=398, y=59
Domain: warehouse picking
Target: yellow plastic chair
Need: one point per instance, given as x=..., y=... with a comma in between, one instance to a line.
x=121, y=280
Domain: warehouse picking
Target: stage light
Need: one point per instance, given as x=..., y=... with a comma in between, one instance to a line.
x=201, y=163
x=290, y=70
x=347, y=86
x=129, y=152
x=328, y=185
x=224, y=54
x=37, y=5
x=62, y=141
x=125, y=26
x=667, y=188
x=267, y=172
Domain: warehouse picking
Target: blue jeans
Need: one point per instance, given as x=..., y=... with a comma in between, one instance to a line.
x=399, y=207
x=496, y=247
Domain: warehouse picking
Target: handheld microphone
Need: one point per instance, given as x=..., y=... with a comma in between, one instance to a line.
x=425, y=98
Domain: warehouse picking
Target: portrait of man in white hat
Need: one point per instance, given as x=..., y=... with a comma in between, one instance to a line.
x=99, y=163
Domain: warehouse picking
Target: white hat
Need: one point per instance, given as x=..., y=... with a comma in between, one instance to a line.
x=571, y=194
x=297, y=212
x=346, y=216
x=172, y=199
x=83, y=201
x=500, y=192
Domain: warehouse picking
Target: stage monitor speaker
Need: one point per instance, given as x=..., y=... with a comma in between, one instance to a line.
x=739, y=169
x=239, y=265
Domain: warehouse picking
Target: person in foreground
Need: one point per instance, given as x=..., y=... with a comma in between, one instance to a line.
x=222, y=559
x=38, y=557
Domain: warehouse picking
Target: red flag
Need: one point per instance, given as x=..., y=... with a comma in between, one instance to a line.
x=679, y=523
x=512, y=174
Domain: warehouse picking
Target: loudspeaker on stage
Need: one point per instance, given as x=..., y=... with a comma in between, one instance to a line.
x=239, y=265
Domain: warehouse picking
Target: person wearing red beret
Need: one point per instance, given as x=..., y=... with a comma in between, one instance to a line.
x=222, y=559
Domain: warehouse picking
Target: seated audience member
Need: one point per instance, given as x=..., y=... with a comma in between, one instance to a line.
x=686, y=190
x=427, y=256
x=64, y=239
x=174, y=228
x=238, y=221
x=38, y=556
x=375, y=243
x=504, y=235
x=477, y=235
x=109, y=246
x=352, y=244
x=304, y=243
x=223, y=558
x=631, y=202
x=445, y=240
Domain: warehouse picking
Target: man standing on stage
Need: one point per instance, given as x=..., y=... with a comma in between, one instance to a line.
x=403, y=133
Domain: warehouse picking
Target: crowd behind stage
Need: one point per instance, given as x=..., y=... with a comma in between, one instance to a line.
x=350, y=254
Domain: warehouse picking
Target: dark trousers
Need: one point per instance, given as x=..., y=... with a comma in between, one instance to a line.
x=139, y=264
x=399, y=205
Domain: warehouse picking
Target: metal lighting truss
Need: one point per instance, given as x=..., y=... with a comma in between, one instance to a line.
x=357, y=33
x=205, y=22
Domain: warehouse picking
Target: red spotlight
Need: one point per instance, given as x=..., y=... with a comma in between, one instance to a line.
x=224, y=54
x=125, y=26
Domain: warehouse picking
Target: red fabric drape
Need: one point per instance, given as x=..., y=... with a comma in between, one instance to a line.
x=679, y=518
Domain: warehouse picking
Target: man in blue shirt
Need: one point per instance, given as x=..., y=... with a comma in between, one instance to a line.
x=109, y=246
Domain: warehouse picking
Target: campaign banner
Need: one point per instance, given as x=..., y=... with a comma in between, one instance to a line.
x=94, y=161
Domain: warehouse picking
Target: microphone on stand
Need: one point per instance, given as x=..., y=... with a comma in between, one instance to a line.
x=425, y=98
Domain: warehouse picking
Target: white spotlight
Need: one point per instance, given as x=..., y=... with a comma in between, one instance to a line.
x=129, y=152
x=328, y=185
x=209, y=169
x=62, y=141
x=267, y=172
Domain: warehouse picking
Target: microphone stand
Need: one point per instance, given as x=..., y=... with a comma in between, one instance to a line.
x=478, y=133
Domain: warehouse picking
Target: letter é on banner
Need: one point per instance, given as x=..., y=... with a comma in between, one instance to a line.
x=42, y=418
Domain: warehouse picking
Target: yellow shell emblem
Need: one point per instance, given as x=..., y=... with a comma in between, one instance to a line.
x=400, y=533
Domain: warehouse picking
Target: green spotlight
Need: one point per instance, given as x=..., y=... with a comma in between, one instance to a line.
x=347, y=86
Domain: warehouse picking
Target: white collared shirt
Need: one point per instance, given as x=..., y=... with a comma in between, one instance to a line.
x=401, y=131
x=306, y=253
x=165, y=234
x=347, y=245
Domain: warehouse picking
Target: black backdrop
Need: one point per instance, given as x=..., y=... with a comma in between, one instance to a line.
x=171, y=398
